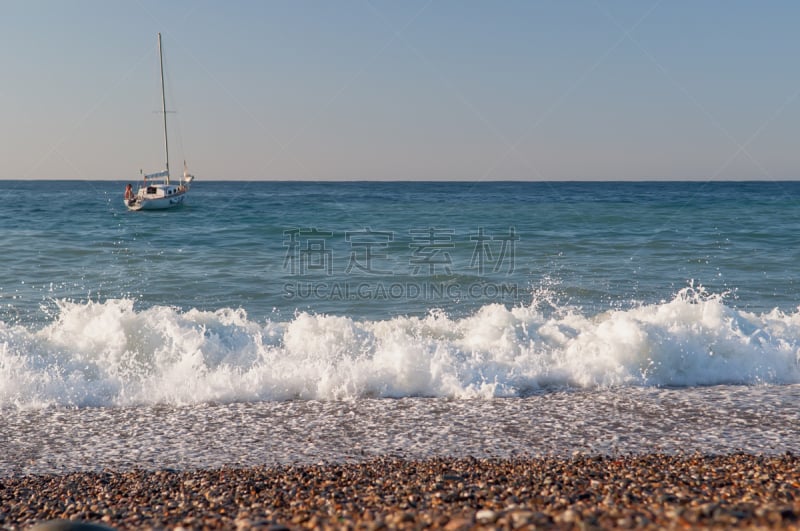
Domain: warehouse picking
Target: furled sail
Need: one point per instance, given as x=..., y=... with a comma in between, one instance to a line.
x=157, y=175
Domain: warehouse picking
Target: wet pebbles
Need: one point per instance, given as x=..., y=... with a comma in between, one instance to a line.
x=584, y=492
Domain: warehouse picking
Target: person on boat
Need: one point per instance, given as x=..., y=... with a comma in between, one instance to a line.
x=129, y=193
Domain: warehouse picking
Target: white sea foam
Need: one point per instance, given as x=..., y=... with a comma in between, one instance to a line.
x=111, y=354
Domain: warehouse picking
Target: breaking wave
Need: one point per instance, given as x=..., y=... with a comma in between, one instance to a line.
x=111, y=354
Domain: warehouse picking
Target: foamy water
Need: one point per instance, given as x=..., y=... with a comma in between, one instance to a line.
x=112, y=354
x=719, y=419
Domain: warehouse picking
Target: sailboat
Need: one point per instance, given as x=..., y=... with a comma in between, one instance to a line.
x=156, y=191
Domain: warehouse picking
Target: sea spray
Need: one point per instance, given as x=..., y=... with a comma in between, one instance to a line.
x=112, y=354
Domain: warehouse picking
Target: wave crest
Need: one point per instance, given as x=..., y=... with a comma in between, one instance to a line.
x=111, y=354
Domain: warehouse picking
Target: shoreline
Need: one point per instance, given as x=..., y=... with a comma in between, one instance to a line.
x=642, y=491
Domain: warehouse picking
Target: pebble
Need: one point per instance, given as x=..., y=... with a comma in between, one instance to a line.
x=652, y=491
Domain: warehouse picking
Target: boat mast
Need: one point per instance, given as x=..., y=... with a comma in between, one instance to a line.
x=163, y=106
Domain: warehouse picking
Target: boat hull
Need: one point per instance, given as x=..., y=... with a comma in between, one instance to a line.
x=162, y=203
x=159, y=202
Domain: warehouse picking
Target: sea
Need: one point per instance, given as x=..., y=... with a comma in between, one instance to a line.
x=279, y=323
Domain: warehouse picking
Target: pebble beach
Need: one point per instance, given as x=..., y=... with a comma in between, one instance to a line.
x=646, y=491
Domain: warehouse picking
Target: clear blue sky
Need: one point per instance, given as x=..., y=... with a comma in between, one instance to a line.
x=417, y=90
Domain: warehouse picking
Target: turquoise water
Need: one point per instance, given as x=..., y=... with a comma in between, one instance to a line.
x=593, y=245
